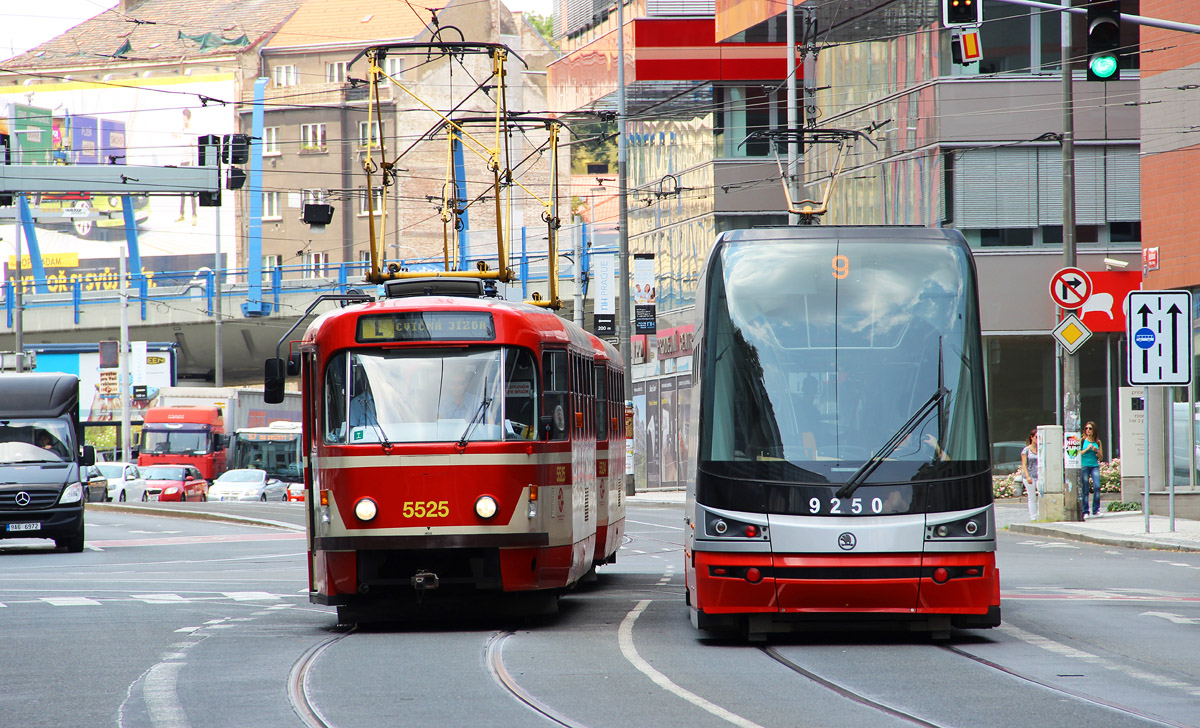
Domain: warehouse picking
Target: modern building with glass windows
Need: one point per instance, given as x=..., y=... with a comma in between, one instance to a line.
x=977, y=147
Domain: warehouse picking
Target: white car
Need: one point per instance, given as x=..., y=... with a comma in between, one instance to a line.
x=247, y=484
x=125, y=482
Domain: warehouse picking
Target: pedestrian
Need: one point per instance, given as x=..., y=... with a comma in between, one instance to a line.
x=1029, y=472
x=1090, y=454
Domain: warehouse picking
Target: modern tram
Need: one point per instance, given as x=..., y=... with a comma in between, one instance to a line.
x=839, y=471
x=452, y=452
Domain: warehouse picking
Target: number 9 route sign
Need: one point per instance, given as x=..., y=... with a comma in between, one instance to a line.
x=1070, y=287
x=1158, y=327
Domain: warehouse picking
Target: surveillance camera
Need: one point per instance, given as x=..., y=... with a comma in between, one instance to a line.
x=1114, y=263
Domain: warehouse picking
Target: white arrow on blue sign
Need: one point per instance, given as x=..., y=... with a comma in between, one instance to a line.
x=1158, y=326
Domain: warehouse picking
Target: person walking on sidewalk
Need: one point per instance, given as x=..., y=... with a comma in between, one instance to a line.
x=1090, y=455
x=1029, y=472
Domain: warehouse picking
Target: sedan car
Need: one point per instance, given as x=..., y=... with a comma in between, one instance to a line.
x=175, y=483
x=125, y=482
x=295, y=492
x=96, y=489
x=247, y=484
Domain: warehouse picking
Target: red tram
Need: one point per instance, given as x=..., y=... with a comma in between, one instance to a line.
x=452, y=451
x=610, y=450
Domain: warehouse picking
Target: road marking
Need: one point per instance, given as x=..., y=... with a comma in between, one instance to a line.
x=162, y=700
x=656, y=525
x=159, y=598
x=1176, y=618
x=185, y=540
x=249, y=596
x=1059, y=648
x=71, y=601
x=625, y=638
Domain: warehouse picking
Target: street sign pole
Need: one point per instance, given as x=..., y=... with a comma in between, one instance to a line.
x=1070, y=288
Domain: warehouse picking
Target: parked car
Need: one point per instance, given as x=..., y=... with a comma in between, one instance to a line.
x=1006, y=456
x=175, y=483
x=247, y=484
x=125, y=482
x=295, y=492
x=97, y=485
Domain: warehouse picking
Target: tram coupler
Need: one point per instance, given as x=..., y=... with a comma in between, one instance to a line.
x=425, y=580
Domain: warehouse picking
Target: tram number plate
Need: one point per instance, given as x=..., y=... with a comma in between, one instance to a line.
x=845, y=506
x=24, y=527
x=425, y=509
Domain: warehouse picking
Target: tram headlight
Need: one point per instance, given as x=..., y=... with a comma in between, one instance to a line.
x=485, y=506
x=720, y=526
x=366, y=509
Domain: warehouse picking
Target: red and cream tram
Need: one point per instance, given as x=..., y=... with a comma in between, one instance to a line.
x=610, y=450
x=840, y=469
x=452, y=451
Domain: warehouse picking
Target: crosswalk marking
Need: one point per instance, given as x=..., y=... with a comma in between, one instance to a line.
x=71, y=601
x=249, y=596
x=159, y=598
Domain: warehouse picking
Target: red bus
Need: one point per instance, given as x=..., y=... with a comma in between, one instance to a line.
x=610, y=450
x=451, y=451
x=185, y=435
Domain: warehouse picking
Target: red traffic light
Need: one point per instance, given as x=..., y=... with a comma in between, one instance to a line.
x=962, y=12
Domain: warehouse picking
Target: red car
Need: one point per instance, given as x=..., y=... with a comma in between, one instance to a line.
x=295, y=492
x=174, y=483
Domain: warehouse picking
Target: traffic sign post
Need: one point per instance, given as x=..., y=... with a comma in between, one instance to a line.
x=1158, y=328
x=1071, y=333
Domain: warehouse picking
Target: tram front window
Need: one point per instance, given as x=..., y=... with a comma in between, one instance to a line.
x=818, y=353
x=396, y=396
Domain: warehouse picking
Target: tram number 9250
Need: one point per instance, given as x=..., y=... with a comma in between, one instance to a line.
x=845, y=506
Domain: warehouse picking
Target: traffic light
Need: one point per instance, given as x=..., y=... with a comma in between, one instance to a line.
x=962, y=12
x=1103, y=40
x=110, y=354
x=235, y=149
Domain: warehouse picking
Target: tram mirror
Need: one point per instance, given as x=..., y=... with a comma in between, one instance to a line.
x=293, y=364
x=547, y=422
x=273, y=381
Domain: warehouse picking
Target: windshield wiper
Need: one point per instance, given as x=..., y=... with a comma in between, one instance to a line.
x=462, y=441
x=905, y=430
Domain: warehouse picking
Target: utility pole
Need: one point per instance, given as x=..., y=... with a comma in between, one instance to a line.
x=1070, y=363
x=218, y=264
x=19, y=301
x=123, y=361
x=793, y=166
x=624, y=325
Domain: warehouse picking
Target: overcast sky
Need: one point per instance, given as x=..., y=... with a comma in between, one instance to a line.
x=22, y=28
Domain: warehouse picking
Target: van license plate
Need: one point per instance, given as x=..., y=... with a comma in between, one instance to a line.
x=24, y=527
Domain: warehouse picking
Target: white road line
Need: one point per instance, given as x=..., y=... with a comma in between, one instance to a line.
x=159, y=598
x=1059, y=648
x=625, y=638
x=656, y=525
x=162, y=702
x=71, y=601
x=249, y=596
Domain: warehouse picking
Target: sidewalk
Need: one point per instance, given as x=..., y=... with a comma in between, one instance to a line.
x=1126, y=529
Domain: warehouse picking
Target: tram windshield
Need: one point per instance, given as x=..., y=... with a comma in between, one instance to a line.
x=430, y=395
x=822, y=357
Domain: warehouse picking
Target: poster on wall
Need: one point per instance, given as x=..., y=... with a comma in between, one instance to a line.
x=683, y=414
x=668, y=429
x=605, y=316
x=653, y=450
x=639, y=434
x=643, y=294
x=155, y=123
x=99, y=394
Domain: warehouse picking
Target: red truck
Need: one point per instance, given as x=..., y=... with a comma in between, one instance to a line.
x=185, y=435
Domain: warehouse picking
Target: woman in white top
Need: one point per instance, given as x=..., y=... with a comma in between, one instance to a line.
x=1029, y=471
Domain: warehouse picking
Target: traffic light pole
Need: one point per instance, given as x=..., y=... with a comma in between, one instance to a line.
x=1070, y=363
x=1135, y=19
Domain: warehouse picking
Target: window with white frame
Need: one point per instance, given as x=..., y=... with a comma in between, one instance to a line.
x=286, y=75
x=312, y=137
x=312, y=197
x=369, y=132
x=271, y=209
x=376, y=204
x=393, y=66
x=335, y=72
x=270, y=263
x=316, y=264
x=270, y=140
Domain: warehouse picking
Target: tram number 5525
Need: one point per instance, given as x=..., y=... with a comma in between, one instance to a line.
x=844, y=506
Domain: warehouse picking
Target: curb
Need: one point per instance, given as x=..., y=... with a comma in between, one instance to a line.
x=1129, y=543
x=198, y=515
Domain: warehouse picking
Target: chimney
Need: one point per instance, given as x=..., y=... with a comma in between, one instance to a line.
x=128, y=6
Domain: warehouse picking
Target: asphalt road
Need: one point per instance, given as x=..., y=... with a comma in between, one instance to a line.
x=177, y=623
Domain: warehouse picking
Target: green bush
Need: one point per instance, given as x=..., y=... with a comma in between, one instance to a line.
x=1114, y=506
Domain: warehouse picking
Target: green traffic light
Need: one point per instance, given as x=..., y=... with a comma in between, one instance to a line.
x=1103, y=66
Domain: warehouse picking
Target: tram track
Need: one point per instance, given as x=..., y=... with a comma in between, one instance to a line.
x=494, y=652
x=298, y=696
x=862, y=699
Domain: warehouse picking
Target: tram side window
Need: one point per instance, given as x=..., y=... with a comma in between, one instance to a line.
x=520, y=395
x=335, y=398
x=601, y=403
x=555, y=401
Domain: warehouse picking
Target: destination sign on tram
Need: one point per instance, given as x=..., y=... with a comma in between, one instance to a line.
x=425, y=326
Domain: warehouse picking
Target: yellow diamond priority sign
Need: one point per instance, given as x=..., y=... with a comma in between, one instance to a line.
x=1071, y=333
